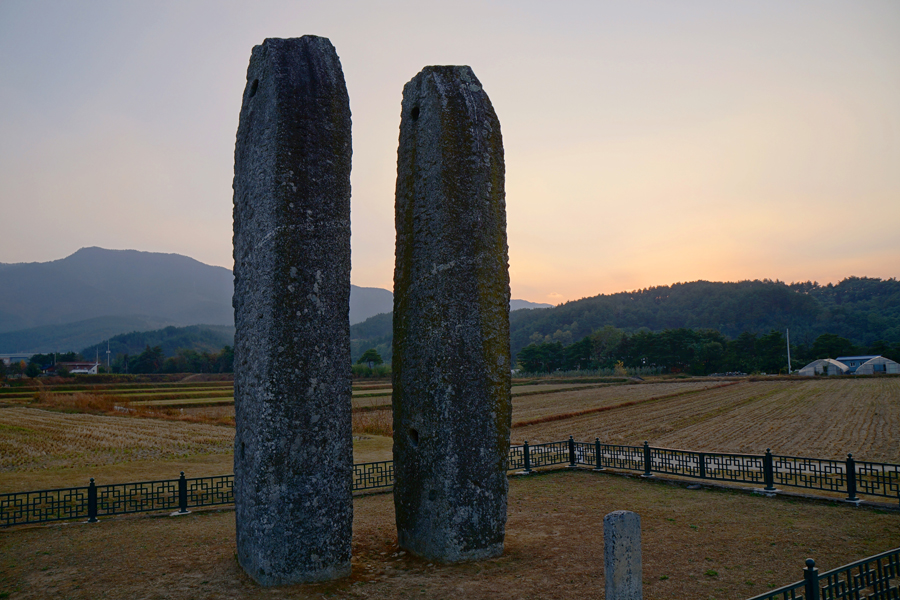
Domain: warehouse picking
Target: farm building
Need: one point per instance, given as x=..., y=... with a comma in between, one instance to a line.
x=8, y=359
x=855, y=362
x=878, y=364
x=824, y=366
x=79, y=368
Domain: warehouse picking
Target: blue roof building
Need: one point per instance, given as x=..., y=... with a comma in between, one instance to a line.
x=855, y=362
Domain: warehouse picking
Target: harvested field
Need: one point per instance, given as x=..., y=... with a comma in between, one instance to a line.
x=819, y=418
x=36, y=439
x=181, y=402
x=696, y=544
x=384, y=401
x=534, y=407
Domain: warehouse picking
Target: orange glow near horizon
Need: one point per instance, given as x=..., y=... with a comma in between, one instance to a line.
x=644, y=146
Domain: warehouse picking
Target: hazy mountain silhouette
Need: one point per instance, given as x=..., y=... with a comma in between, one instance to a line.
x=167, y=289
x=520, y=304
x=96, y=293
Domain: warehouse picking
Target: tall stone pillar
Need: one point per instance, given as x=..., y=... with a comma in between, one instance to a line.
x=293, y=454
x=451, y=355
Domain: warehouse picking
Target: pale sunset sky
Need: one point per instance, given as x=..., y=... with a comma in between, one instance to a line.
x=646, y=143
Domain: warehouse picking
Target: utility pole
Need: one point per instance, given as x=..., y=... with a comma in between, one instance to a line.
x=107, y=356
x=789, y=349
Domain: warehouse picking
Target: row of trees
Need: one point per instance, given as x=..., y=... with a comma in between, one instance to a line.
x=698, y=352
x=863, y=310
x=153, y=360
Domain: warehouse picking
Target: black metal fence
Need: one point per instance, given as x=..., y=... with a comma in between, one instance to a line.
x=873, y=578
x=850, y=477
x=175, y=495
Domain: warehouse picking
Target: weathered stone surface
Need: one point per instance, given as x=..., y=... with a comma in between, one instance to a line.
x=293, y=455
x=622, y=555
x=451, y=355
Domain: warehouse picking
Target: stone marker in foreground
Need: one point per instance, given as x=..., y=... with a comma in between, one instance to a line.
x=622, y=555
x=293, y=456
x=451, y=355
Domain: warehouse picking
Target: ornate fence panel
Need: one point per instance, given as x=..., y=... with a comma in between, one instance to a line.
x=553, y=453
x=210, y=491
x=367, y=476
x=586, y=453
x=736, y=468
x=614, y=456
x=794, y=591
x=43, y=506
x=676, y=462
x=873, y=578
x=810, y=473
x=120, y=499
x=878, y=479
x=516, y=460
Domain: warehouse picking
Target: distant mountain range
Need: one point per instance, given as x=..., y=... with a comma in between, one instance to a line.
x=154, y=288
x=95, y=294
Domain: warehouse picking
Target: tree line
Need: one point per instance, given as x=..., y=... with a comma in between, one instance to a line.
x=150, y=360
x=153, y=360
x=862, y=310
x=692, y=351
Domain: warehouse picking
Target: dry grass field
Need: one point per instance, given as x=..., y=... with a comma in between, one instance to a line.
x=33, y=439
x=817, y=418
x=696, y=544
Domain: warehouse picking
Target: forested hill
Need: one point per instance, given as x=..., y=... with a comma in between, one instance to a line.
x=862, y=310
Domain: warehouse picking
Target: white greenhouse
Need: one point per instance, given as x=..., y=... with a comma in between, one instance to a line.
x=824, y=366
x=879, y=364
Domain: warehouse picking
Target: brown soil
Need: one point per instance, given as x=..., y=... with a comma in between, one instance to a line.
x=818, y=418
x=696, y=544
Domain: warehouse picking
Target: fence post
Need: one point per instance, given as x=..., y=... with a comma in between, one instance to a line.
x=702, y=460
x=811, y=578
x=182, y=495
x=768, y=471
x=92, y=502
x=647, y=460
x=527, y=459
x=572, y=461
x=851, y=479
x=598, y=456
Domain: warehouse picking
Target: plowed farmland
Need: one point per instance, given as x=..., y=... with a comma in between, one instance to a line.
x=820, y=418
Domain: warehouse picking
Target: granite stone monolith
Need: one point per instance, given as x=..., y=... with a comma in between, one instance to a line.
x=451, y=350
x=293, y=455
x=622, y=556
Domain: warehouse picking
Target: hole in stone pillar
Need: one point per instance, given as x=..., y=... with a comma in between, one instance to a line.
x=243, y=446
x=432, y=495
x=414, y=114
x=414, y=437
x=253, y=87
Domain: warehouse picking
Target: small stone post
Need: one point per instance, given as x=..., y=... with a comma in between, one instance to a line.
x=451, y=354
x=293, y=454
x=622, y=555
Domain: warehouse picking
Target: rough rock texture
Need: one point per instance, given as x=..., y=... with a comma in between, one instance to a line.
x=293, y=455
x=622, y=555
x=451, y=355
